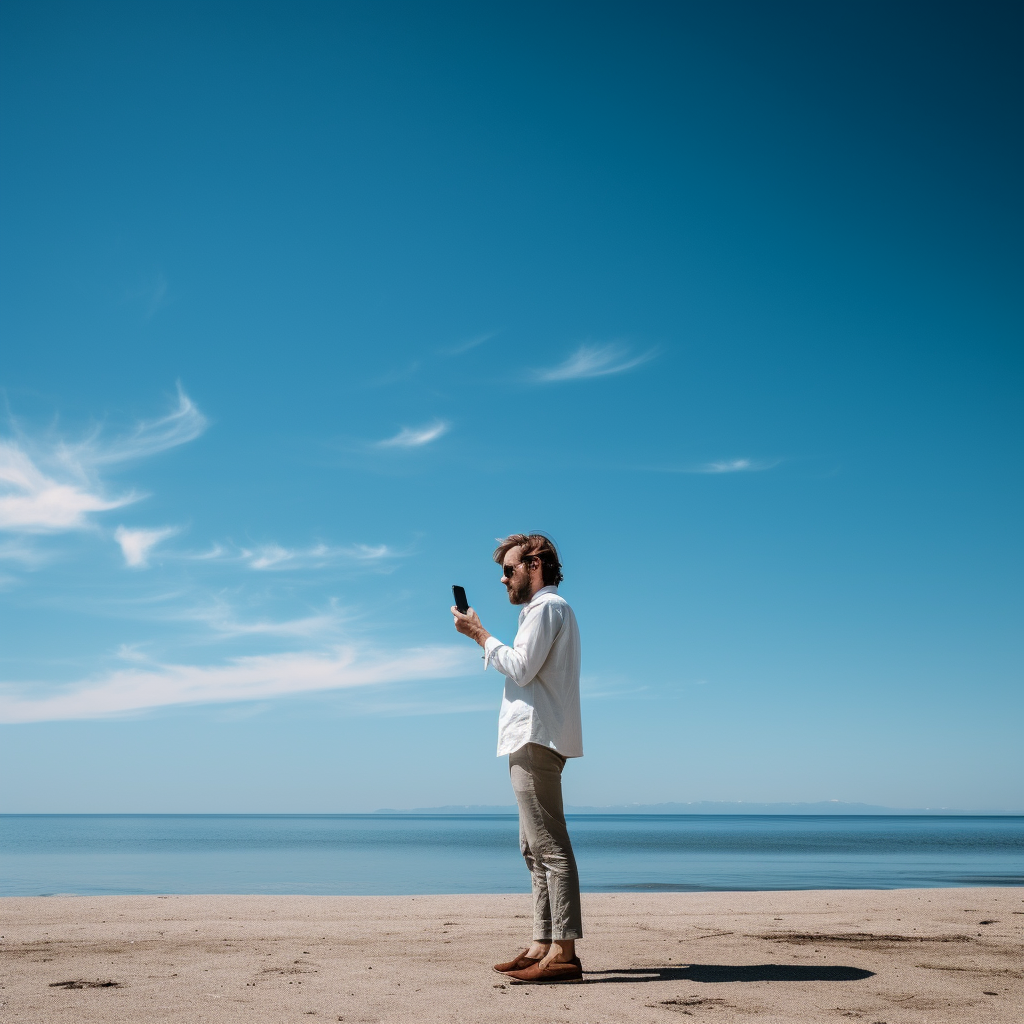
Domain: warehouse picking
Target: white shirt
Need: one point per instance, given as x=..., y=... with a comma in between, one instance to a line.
x=541, y=703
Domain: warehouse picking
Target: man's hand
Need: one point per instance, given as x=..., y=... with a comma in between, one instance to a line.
x=469, y=625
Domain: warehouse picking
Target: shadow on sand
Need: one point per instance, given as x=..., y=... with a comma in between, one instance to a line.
x=730, y=972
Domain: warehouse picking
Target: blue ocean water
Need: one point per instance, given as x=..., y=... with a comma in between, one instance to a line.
x=381, y=854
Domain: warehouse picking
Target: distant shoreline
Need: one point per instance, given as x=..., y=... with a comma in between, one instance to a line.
x=822, y=808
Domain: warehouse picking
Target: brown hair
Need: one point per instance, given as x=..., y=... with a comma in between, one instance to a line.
x=534, y=545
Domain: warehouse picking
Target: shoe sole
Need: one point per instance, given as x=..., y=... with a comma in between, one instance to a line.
x=546, y=981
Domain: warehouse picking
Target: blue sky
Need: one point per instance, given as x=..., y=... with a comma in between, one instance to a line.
x=302, y=306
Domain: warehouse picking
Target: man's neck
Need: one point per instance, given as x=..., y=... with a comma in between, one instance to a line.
x=543, y=586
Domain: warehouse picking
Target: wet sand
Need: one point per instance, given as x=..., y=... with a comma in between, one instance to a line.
x=893, y=956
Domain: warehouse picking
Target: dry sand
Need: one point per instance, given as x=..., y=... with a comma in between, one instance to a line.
x=897, y=956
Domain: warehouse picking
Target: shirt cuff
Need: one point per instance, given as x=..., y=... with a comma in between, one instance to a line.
x=491, y=644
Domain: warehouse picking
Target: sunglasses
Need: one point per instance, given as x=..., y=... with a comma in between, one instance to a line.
x=507, y=571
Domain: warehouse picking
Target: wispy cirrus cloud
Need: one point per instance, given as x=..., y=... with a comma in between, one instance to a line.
x=149, y=437
x=259, y=677
x=595, y=361
x=415, y=437
x=735, y=466
x=273, y=556
x=148, y=295
x=468, y=345
x=215, y=552
x=226, y=623
x=308, y=626
x=155, y=295
x=137, y=544
x=718, y=467
x=22, y=550
x=52, y=486
x=277, y=556
x=34, y=501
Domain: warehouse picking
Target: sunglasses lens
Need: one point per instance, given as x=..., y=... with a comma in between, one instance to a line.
x=507, y=570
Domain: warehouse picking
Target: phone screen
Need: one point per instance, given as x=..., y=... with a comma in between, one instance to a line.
x=460, y=599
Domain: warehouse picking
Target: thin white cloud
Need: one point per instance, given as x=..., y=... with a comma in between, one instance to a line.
x=22, y=551
x=215, y=552
x=594, y=361
x=468, y=345
x=598, y=688
x=269, y=556
x=137, y=544
x=276, y=556
x=53, y=487
x=242, y=679
x=156, y=294
x=721, y=466
x=220, y=617
x=736, y=466
x=149, y=437
x=415, y=437
x=310, y=626
x=273, y=556
x=133, y=653
x=31, y=501
x=148, y=295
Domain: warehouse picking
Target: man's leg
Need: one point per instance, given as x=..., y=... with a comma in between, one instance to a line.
x=537, y=780
x=519, y=771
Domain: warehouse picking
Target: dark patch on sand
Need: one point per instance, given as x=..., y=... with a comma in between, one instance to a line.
x=995, y=972
x=82, y=983
x=688, y=1004
x=291, y=969
x=859, y=940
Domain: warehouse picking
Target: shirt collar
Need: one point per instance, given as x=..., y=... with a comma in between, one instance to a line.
x=543, y=590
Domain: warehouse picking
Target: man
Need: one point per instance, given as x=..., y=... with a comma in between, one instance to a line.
x=539, y=728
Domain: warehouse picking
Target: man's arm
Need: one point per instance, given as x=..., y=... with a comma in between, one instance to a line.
x=536, y=634
x=469, y=625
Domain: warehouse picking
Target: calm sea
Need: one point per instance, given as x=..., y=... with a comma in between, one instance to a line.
x=378, y=854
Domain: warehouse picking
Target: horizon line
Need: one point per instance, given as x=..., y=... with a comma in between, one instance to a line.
x=501, y=810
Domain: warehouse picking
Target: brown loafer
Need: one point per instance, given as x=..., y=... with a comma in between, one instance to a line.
x=535, y=975
x=519, y=963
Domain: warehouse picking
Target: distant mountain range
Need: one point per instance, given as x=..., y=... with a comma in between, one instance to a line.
x=699, y=807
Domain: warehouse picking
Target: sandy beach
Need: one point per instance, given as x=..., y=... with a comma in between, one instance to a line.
x=893, y=956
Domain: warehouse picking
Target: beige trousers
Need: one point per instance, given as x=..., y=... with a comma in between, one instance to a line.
x=536, y=773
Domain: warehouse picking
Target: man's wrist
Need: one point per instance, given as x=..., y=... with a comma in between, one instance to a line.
x=481, y=636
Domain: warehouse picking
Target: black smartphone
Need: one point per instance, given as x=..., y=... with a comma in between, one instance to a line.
x=460, y=599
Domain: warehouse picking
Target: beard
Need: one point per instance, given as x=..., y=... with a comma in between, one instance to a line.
x=519, y=588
